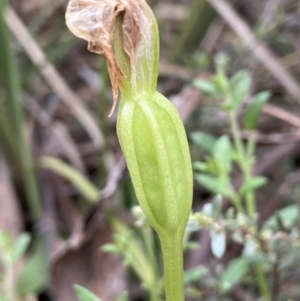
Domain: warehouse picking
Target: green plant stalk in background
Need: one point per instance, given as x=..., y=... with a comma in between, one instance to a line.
x=246, y=164
x=139, y=262
x=8, y=272
x=150, y=131
x=245, y=160
x=233, y=91
x=15, y=134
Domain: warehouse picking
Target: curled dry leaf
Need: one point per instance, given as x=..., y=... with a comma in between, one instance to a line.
x=95, y=21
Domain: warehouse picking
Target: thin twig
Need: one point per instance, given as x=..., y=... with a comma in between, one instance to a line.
x=113, y=179
x=276, y=138
x=212, y=36
x=282, y=114
x=279, y=196
x=290, y=60
x=262, y=53
x=58, y=130
x=175, y=71
x=186, y=101
x=53, y=77
x=268, y=13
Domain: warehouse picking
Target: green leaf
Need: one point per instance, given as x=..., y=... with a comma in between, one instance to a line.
x=252, y=184
x=222, y=84
x=5, y=241
x=229, y=214
x=88, y=190
x=218, y=242
x=141, y=264
x=190, y=245
x=288, y=217
x=254, y=109
x=222, y=154
x=85, y=295
x=214, y=184
x=209, y=182
x=194, y=274
x=250, y=248
x=211, y=166
x=240, y=85
x=217, y=206
x=111, y=248
x=207, y=87
x=21, y=246
x=234, y=273
x=204, y=141
x=207, y=209
x=200, y=166
x=124, y=297
x=35, y=274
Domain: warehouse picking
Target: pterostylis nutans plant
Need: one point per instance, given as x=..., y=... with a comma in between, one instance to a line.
x=150, y=131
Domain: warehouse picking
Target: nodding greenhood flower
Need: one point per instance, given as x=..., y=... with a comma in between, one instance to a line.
x=149, y=128
x=125, y=32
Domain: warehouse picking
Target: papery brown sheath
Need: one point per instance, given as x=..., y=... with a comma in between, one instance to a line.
x=95, y=21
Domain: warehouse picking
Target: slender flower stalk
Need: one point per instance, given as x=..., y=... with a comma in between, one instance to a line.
x=150, y=131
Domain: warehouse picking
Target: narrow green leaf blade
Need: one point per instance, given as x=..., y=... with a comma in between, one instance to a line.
x=254, y=109
x=240, y=85
x=214, y=184
x=252, y=184
x=21, y=246
x=288, y=217
x=204, y=141
x=88, y=190
x=207, y=87
x=111, y=248
x=209, y=182
x=234, y=273
x=222, y=154
x=124, y=297
x=194, y=274
x=35, y=275
x=85, y=295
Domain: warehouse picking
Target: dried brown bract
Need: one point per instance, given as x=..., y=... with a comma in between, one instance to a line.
x=95, y=20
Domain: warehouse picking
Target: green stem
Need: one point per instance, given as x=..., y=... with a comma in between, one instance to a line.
x=9, y=73
x=140, y=263
x=237, y=139
x=262, y=282
x=250, y=200
x=251, y=145
x=237, y=203
x=246, y=164
x=244, y=161
x=172, y=249
x=8, y=277
x=6, y=136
